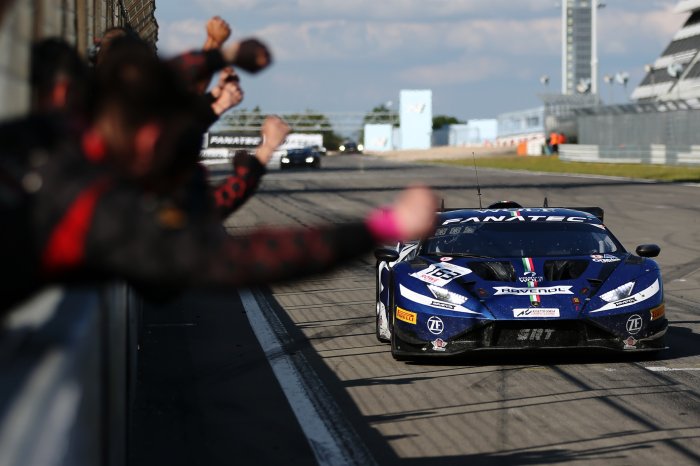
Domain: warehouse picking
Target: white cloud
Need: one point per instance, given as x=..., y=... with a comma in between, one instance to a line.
x=340, y=39
x=625, y=32
x=362, y=50
x=464, y=70
x=178, y=36
x=373, y=9
x=510, y=37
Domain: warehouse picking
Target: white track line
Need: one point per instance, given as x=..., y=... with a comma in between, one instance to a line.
x=670, y=369
x=326, y=437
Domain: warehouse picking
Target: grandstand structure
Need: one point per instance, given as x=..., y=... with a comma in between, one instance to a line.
x=675, y=75
x=660, y=125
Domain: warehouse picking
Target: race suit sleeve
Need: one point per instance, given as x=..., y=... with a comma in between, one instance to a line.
x=146, y=242
x=197, y=65
x=237, y=188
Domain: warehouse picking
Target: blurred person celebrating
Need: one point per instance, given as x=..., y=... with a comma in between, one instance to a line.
x=59, y=78
x=102, y=204
x=197, y=67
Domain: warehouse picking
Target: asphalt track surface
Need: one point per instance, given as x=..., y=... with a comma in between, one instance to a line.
x=294, y=375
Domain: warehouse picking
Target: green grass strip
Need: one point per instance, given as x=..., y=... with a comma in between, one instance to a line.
x=552, y=164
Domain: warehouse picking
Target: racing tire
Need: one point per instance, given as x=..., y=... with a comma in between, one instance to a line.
x=394, y=352
x=380, y=338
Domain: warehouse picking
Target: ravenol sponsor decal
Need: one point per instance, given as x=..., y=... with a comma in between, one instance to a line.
x=539, y=291
x=427, y=301
x=634, y=299
x=441, y=273
x=406, y=316
x=536, y=312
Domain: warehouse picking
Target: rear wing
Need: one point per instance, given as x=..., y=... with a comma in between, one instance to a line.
x=595, y=211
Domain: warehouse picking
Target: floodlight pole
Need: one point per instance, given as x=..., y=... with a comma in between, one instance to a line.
x=594, y=47
x=564, y=58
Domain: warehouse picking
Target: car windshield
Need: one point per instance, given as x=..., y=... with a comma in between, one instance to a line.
x=523, y=239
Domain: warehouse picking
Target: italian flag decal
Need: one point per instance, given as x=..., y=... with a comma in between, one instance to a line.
x=530, y=267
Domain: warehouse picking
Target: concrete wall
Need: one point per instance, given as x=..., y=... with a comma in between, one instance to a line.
x=379, y=138
x=474, y=132
x=657, y=154
x=77, y=21
x=416, y=119
x=16, y=34
x=67, y=372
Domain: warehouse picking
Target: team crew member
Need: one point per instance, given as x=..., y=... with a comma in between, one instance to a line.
x=197, y=68
x=105, y=203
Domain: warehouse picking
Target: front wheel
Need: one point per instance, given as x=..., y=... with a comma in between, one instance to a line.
x=395, y=353
x=381, y=326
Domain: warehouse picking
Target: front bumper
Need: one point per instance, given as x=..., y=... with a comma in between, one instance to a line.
x=293, y=163
x=529, y=335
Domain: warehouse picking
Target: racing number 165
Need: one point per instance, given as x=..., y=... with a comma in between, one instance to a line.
x=444, y=274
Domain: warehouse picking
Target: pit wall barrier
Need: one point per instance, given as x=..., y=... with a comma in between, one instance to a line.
x=67, y=377
x=659, y=154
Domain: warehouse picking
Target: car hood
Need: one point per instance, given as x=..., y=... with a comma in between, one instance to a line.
x=508, y=288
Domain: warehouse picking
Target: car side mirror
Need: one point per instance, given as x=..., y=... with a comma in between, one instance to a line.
x=386, y=254
x=648, y=250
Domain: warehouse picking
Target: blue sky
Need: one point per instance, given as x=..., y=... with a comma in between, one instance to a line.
x=479, y=57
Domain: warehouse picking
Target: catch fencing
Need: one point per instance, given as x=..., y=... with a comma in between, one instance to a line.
x=663, y=134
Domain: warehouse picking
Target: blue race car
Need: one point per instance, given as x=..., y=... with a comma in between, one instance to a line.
x=518, y=278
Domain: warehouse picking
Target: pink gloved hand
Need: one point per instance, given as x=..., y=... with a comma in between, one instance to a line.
x=274, y=131
x=411, y=217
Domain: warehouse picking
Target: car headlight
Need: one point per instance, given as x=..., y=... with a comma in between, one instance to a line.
x=284, y=160
x=360, y=147
x=446, y=295
x=341, y=148
x=309, y=160
x=618, y=293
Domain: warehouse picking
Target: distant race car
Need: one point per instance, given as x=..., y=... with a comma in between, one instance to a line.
x=306, y=157
x=350, y=147
x=518, y=278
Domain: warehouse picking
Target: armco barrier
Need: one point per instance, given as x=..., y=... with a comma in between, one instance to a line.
x=652, y=154
x=67, y=365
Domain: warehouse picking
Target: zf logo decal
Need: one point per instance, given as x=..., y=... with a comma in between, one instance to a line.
x=535, y=334
x=435, y=325
x=634, y=324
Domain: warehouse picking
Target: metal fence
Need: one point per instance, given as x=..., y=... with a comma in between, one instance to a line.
x=674, y=129
x=630, y=134
x=341, y=122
